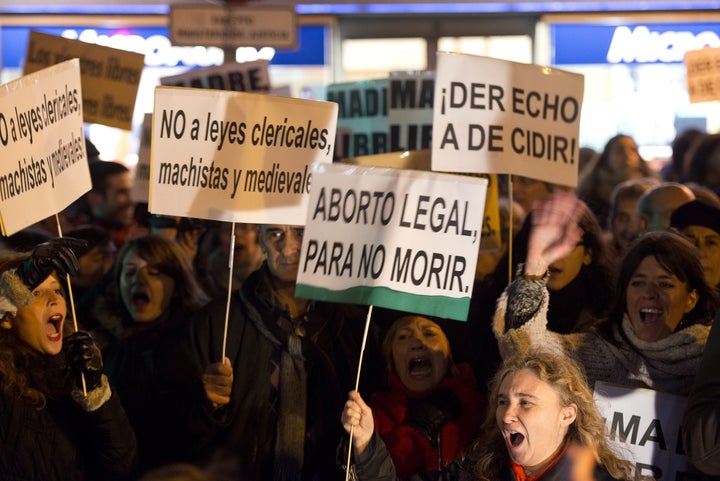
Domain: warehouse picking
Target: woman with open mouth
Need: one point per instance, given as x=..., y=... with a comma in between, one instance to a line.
x=432, y=409
x=545, y=427
x=142, y=315
x=59, y=418
x=659, y=321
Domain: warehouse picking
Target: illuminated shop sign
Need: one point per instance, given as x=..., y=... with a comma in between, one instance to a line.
x=580, y=44
x=154, y=42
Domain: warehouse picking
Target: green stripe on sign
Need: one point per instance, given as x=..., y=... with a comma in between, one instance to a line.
x=440, y=306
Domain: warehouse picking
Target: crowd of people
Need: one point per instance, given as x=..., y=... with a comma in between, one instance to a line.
x=131, y=350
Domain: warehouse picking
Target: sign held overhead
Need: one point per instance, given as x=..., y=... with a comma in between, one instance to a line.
x=225, y=26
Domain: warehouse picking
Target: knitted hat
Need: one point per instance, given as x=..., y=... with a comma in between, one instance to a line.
x=696, y=212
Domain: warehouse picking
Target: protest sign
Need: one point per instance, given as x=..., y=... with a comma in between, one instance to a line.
x=141, y=180
x=234, y=26
x=703, y=74
x=236, y=156
x=362, y=117
x=110, y=76
x=410, y=110
x=420, y=160
x=401, y=239
x=240, y=77
x=645, y=427
x=502, y=117
x=43, y=165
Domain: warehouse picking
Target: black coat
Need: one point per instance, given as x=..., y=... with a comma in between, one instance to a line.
x=62, y=442
x=245, y=428
x=135, y=366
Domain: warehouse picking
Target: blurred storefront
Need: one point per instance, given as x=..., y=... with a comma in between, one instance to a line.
x=635, y=79
x=298, y=72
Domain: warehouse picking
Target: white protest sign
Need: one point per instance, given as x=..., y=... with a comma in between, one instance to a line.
x=240, y=77
x=502, y=117
x=410, y=110
x=401, y=239
x=703, y=74
x=141, y=181
x=362, y=117
x=645, y=424
x=236, y=156
x=110, y=76
x=43, y=163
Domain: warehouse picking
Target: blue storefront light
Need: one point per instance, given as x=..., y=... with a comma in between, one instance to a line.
x=311, y=49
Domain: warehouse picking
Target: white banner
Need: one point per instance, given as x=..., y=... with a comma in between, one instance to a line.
x=496, y=116
x=236, y=156
x=645, y=425
x=402, y=239
x=43, y=162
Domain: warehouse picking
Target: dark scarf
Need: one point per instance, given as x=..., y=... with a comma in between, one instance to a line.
x=292, y=389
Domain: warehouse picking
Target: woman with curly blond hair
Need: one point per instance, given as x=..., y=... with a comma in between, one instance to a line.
x=545, y=422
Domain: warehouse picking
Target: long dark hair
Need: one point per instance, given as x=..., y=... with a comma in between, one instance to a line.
x=167, y=257
x=677, y=255
x=598, y=274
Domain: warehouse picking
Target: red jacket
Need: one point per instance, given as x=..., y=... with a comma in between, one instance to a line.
x=410, y=451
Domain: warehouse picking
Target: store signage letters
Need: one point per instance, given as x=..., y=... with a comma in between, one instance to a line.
x=580, y=44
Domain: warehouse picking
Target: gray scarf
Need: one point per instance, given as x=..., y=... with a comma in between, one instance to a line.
x=290, y=438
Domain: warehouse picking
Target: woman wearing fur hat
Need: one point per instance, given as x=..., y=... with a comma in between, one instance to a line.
x=659, y=322
x=49, y=428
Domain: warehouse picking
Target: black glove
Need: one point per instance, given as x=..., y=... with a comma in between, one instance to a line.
x=429, y=415
x=82, y=356
x=55, y=255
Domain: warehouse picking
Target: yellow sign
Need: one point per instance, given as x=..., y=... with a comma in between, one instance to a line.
x=110, y=77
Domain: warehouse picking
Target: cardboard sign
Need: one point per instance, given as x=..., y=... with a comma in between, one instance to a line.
x=43, y=162
x=110, y=77
x=502, y=117
x=703, y=74
x=362, y=117
x=236, y=156
x=401, y=239
x=645, y=425
x=240, y=77
x=228, y=26
x=410, y=110
x=141, y=180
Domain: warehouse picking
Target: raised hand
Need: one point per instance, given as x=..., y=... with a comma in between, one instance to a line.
x=555, y=231
x=218, y=381
x=56, y=255
x=358, y=416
